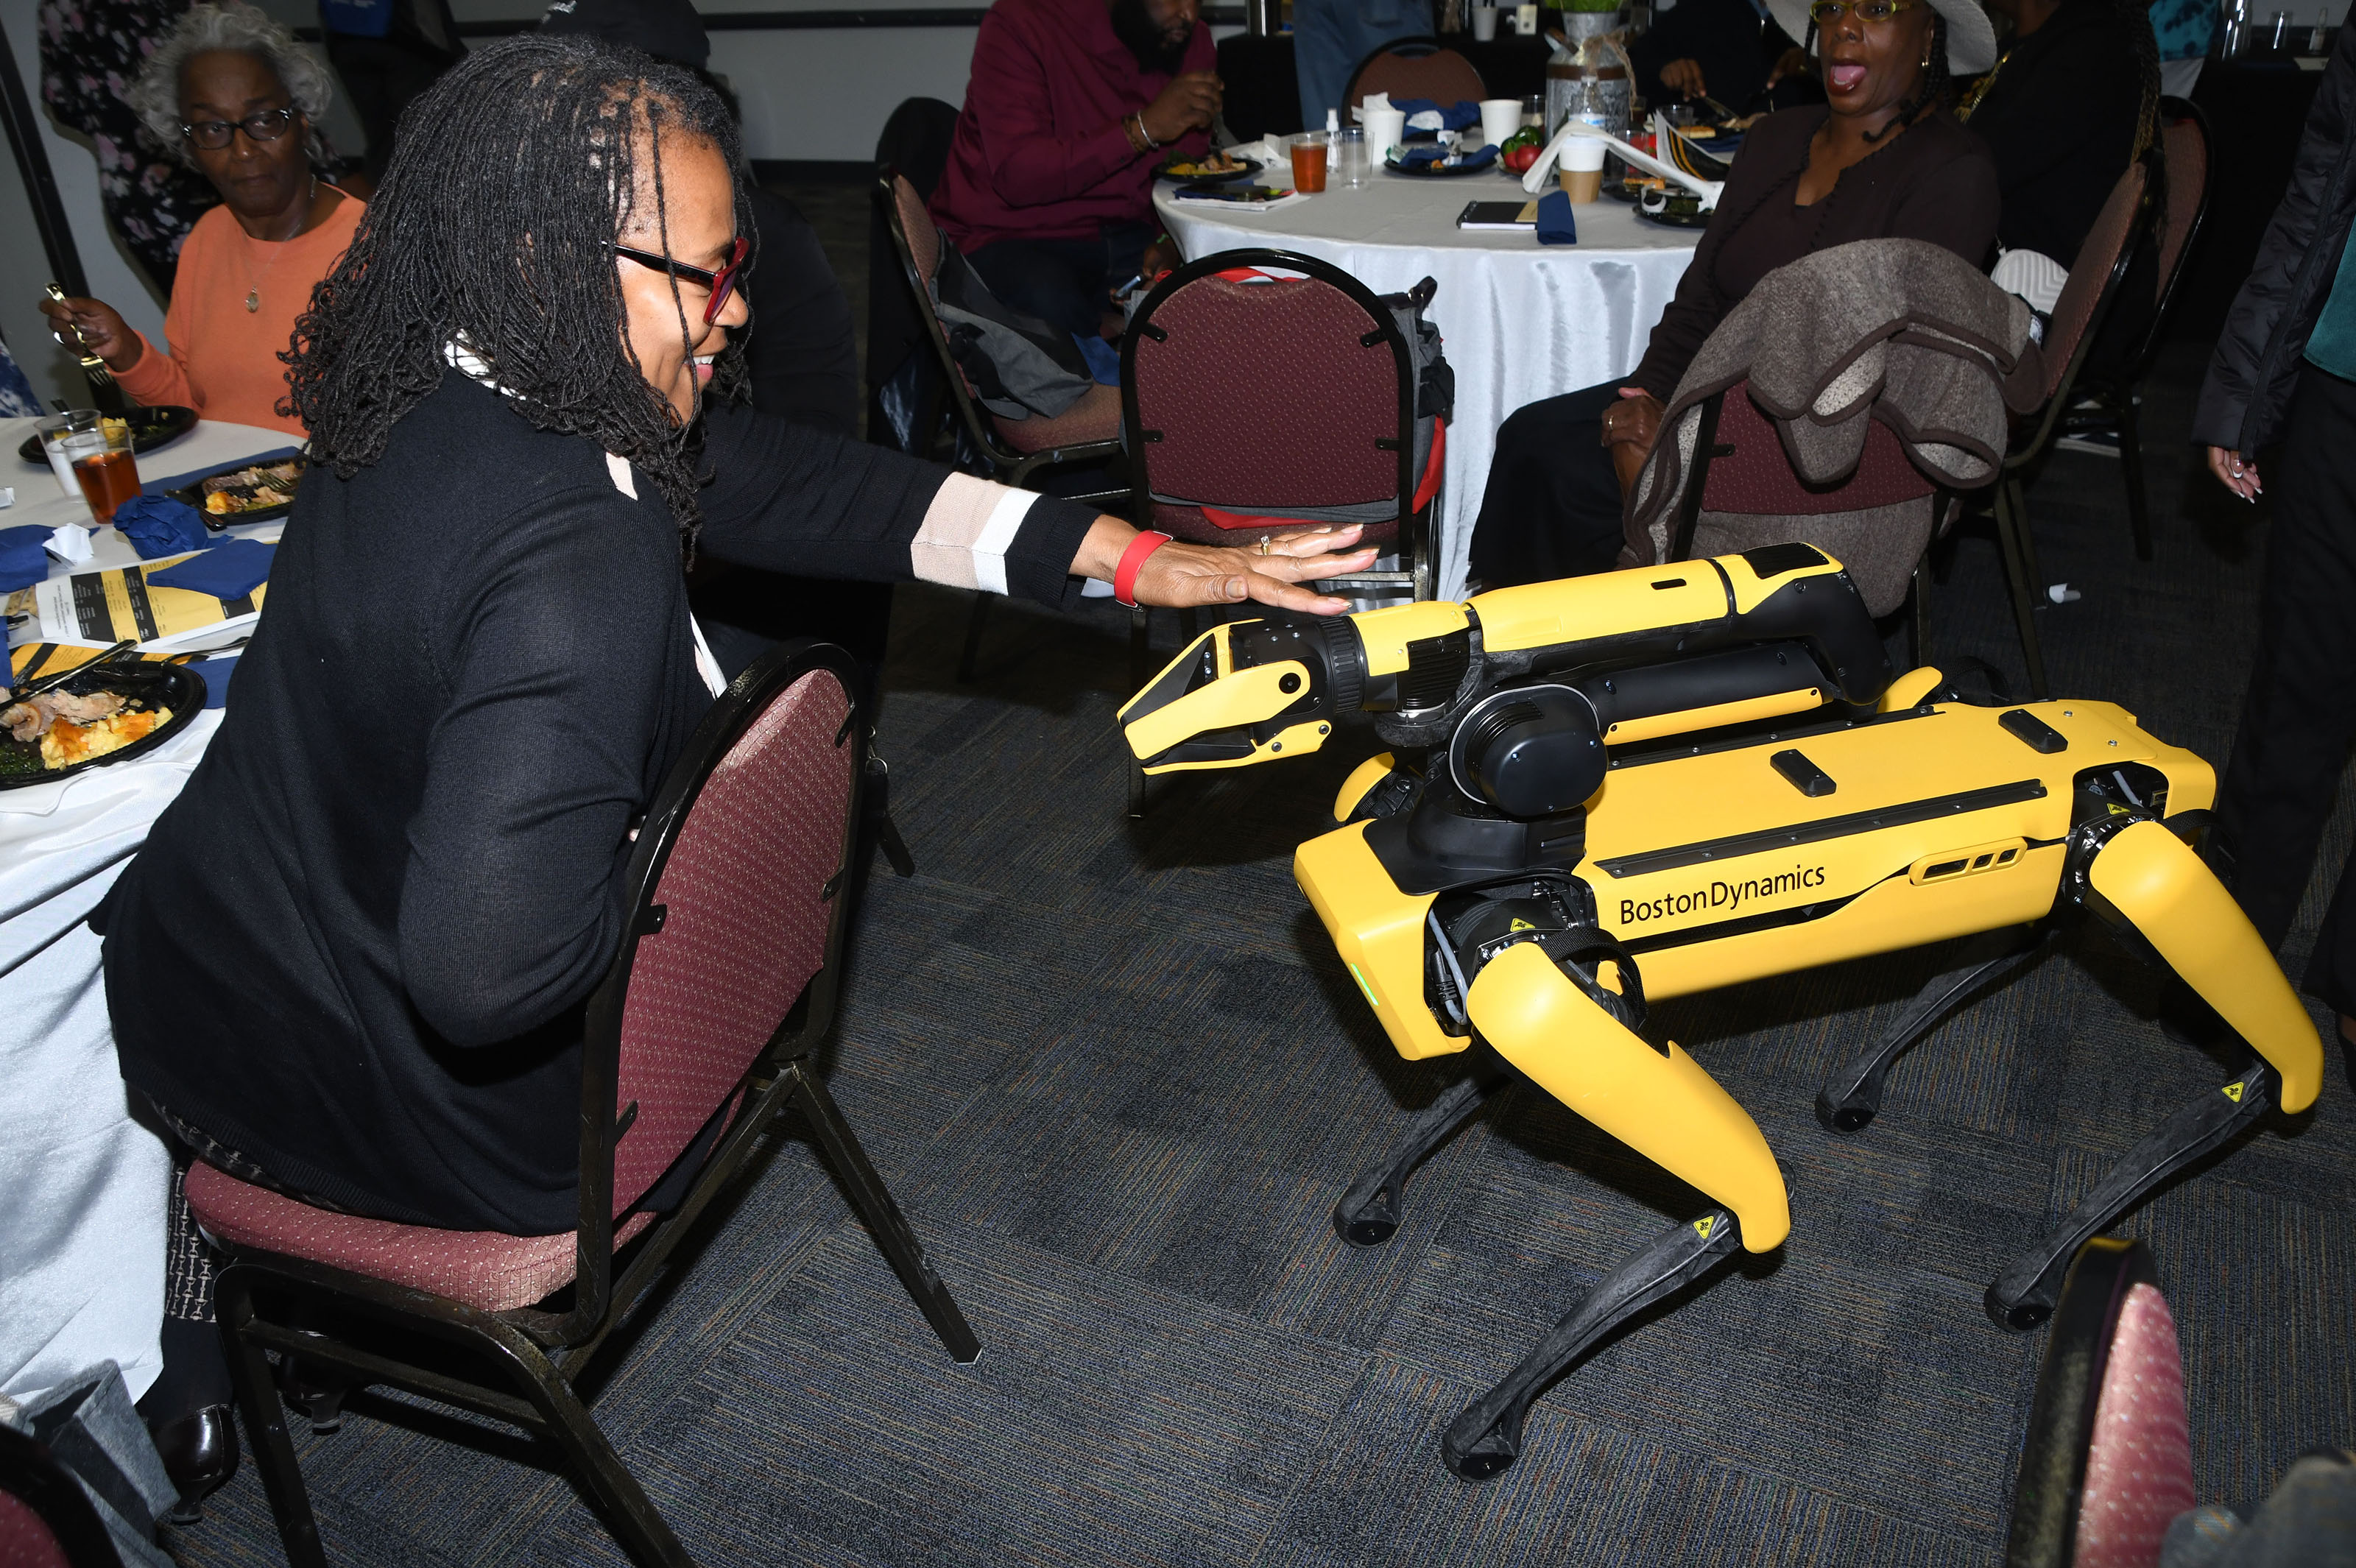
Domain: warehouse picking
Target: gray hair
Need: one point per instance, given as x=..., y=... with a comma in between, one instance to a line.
x=154, y=96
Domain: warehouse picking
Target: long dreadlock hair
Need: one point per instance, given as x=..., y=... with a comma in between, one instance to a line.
x=514, y=173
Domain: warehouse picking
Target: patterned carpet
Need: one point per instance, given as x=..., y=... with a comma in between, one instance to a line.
x=1116, y=1075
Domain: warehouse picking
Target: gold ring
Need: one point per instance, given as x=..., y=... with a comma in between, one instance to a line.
x=1263, y=544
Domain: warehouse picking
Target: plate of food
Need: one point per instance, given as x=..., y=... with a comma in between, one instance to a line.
x=150, y=428
x=1439, y=162
x=1634, y=188
x=102, y=714
x=1212, y=168
x=251, y=493
x=1678, y=208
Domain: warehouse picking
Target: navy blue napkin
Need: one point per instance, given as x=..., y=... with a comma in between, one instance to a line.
x=1457, y=116
x=229, y=571
x=157, y=527
x=23, y=561
x=1477, y=158
x=217, y=671
x=182, y=481
x=1556, y=224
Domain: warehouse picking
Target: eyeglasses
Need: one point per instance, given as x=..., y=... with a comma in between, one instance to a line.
x=722, y=283
x=212, y=136
x=1824, y=12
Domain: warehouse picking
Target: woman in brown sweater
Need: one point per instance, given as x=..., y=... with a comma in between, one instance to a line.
x=1882, y=160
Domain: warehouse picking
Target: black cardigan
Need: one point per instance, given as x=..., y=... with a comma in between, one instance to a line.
x=1932, y=181
x=2060, y=119
x=2246, y=397
x=354, y=948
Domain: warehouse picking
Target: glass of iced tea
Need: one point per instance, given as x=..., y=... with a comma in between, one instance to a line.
x=1309, y=162
x=103, y=462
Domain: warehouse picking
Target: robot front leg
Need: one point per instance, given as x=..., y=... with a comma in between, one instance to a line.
x=2145, y=882
x=1558, y=1030
x=1370, y=1212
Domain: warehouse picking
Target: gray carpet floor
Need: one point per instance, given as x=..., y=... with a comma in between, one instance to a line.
x=1118, y=1078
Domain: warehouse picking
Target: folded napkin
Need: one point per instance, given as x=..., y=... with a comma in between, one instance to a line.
x=229, y=571
x=1416, y=157
x=217, y=671
x=181, y=481
x=70, y=543
x=24, y=557
x=1104, y=359
x=1556, y=224
x=1423, y=114
x=157, y=527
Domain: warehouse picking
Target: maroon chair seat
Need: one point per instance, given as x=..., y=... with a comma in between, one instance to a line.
x=487, y=1270
x=724, y=983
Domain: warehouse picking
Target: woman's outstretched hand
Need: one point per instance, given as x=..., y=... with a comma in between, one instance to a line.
x=1180, y=575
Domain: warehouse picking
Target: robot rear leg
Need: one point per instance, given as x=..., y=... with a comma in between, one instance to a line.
x=1852, y=1095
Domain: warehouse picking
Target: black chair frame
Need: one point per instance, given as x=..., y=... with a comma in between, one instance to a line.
x=1416, y=528
x=1007, y=466
x=542, y=1353
x=2044, y=1528
x=1413, y=46
x=2118, y=399
x=2023, y=575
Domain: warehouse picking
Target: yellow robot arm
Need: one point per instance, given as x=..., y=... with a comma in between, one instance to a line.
x=1642, y=654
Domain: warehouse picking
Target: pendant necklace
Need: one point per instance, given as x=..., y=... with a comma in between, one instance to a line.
x=254, y=294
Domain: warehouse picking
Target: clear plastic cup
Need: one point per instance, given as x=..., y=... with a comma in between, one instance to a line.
x=1308, y=150
x=54, y=432
x=103, y=464
x=1350, y=171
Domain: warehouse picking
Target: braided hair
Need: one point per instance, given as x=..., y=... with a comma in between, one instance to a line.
x=514, y=173
x=1933, y=90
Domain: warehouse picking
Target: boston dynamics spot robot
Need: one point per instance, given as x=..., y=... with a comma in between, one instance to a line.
x=1707, y=773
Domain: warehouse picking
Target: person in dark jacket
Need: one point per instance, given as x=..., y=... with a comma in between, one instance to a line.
x=2285, y=370
x=351, y=961
x=801, y=363
x=1730, y=50
x=1884, y=160
x=2070, y=105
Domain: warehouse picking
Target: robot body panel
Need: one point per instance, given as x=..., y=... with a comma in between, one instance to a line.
x=1379, y=931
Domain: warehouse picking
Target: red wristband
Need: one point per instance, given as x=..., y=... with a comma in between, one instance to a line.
x=1132, y=559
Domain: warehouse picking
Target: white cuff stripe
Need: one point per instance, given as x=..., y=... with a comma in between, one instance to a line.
x=997, y=535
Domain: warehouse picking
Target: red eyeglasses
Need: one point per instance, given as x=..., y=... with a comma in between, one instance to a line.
x=722, y=283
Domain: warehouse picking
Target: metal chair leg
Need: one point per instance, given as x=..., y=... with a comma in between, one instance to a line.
x=265, y=1419
x=884, y=1222
x=2020, y=571
x=1918, y=612
x=973, y=625
x=2131, y=467
x=588, y=1455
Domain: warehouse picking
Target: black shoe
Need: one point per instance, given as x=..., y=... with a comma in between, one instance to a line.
x=200, y=1454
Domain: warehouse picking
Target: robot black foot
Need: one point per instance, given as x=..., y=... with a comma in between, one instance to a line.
x=1370, y=1212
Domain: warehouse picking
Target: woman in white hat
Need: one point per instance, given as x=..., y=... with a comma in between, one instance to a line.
x=1882, y=159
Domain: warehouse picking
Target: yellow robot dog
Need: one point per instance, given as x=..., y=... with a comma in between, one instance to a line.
x=1559, y=814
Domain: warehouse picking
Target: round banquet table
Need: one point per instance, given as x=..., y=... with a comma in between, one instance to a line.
x=1521, y=320
x=81, y=1236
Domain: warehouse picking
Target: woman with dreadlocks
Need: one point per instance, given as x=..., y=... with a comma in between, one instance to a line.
x=1882, y=159
x=351, y=961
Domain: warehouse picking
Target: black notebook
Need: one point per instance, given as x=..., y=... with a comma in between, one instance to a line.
x=1498, y=215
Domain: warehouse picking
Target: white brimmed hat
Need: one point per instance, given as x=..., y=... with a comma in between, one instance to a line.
x=1971, y=36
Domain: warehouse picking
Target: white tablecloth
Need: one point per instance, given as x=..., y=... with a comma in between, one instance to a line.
x=81, y=1231
x=1522, y=320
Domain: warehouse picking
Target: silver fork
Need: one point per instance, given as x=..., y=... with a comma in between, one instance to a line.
x=102, y=388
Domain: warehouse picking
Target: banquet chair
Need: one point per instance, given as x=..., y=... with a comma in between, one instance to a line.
x=2107, y=1460
x=1016, y=452
x=2110, y=387
x=2078, y=315
x=914, y=142
x=1275, y=403
x=1742, y=493
x=696, y=1042
x=1415, y=68
x=46, y=1521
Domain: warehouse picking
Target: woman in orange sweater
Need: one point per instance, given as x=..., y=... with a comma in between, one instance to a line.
x=234, y=91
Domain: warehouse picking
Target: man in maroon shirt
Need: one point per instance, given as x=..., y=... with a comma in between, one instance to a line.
x=1072, y=106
